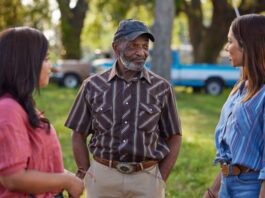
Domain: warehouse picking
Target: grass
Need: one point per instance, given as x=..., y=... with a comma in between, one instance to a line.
x=199, y=114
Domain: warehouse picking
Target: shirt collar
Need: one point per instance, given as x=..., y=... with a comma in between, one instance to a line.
x=144, y=73
x=113, y=72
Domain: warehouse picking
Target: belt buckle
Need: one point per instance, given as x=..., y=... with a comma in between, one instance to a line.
x=125, y=168
x=225, y=169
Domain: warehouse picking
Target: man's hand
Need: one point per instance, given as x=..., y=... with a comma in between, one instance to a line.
x=75, y=187
x=80, y=152
x=168, y=162
x=81, y=173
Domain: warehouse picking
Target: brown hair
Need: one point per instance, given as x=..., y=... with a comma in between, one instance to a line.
x=22, y=51
x=249, y=31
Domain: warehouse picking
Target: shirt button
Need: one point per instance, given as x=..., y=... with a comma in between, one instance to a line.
x=124, y=140
x=126, y=103
x=151, y=110
x=125, y=122
x=101, y=109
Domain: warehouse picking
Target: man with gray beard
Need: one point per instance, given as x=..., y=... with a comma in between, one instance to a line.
x=131, y=115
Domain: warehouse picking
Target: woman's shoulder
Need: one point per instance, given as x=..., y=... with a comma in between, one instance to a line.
x=7, y=102
x=9, y=107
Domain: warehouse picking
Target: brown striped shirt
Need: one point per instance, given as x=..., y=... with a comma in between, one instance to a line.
x=129, y=121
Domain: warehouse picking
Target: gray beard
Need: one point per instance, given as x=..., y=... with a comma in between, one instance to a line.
x=130, y=65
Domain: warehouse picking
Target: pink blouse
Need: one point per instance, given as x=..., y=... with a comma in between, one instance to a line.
x=22, y=147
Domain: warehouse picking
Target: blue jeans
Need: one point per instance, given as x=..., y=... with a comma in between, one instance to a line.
x=245, y=185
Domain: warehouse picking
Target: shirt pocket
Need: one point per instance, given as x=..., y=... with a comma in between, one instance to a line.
x=103, y=118
x=149, y=115
x=246, y=120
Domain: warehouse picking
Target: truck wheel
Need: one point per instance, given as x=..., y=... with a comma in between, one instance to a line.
x=70, y=81
x=214, y=87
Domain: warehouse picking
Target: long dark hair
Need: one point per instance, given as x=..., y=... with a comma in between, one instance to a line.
x=22, y=51
x=249, y=31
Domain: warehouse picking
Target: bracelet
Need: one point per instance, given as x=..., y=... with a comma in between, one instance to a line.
x=210, y=193
x=81, y=170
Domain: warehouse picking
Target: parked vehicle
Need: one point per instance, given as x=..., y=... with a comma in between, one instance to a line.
x=70, y=73
x=212, y=78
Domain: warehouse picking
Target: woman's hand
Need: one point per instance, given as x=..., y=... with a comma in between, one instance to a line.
x=262, y=190
x=75, y=186
x=210, y=194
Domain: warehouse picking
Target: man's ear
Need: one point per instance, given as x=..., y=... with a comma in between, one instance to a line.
x=116, y=50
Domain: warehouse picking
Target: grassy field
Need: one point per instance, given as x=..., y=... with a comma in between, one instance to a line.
x=199, y=114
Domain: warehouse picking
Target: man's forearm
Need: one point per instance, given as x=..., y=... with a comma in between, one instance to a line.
x=81, y=153
x=168, y=162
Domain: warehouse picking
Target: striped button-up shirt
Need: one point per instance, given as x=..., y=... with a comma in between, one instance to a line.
x=129, y=121
x=240, y=133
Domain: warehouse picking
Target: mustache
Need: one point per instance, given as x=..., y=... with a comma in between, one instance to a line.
x=138, y=59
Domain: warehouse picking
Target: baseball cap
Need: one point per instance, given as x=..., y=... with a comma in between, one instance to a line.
x=131, y=29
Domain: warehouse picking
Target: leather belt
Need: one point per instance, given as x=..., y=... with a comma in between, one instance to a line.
x=59, y=195
x=235, y=169
x=126, y=167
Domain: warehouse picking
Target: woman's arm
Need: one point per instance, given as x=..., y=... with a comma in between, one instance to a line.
x=213, y=191
x=262, y=190
x=35, y=182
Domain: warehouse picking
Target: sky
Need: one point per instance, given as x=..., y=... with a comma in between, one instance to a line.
x=49, y=33
x=53, y=7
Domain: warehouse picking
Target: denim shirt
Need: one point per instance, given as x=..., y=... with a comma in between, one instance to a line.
x=240, y=133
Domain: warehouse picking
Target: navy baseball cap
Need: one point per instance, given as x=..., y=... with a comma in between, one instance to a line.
x=131, y=29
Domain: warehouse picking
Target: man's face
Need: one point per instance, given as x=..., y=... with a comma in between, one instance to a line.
x=134, y=54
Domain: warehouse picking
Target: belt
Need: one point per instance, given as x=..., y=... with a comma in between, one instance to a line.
x=59, y=195
x=126, y=167
x=235, y=169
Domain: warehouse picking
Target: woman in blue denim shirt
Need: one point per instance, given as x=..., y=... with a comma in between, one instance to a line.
x=240, y=133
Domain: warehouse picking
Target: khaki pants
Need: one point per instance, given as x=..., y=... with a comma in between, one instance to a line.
x=104, y=182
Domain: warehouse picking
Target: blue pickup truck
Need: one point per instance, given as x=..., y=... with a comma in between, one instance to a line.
x=212, y=78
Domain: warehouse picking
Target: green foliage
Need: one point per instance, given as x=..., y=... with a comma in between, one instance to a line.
x=11, y=13
x=72, y=21
x=14, y=13
x=103, y=18
x=120, y=9
x=37, y=14
x=199, y=114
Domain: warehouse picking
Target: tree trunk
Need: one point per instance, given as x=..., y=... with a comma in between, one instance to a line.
x=215, y=35
x=207, y=42
x=196, y=28
x=72, y=21
x=162, y=29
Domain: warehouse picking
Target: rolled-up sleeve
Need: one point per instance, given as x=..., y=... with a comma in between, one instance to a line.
x=169, y=123
x=79, y=118
x=15, y=147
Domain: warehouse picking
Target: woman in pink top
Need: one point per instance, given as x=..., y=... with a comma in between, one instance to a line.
x=31, y=162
